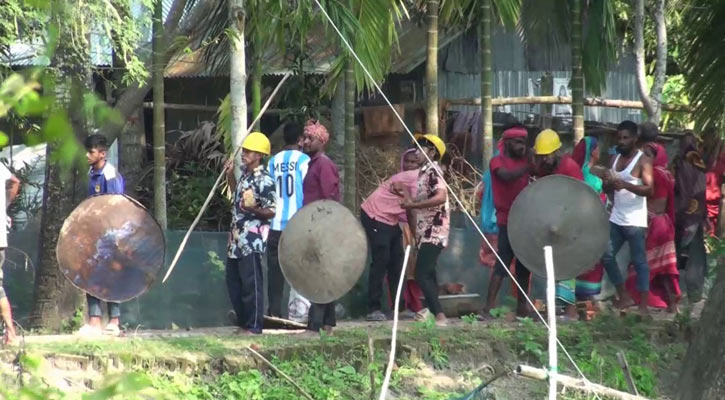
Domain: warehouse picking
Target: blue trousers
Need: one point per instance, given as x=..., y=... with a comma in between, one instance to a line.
x=94, y=308
x=246, y=290
x=635, y=236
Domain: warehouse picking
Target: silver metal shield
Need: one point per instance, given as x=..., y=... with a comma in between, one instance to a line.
x=323, y=251
x=563, y=213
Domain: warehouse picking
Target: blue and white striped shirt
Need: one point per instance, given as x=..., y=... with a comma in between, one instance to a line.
x=288, y=169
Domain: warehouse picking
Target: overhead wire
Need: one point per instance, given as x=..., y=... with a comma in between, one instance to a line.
x=450, y=190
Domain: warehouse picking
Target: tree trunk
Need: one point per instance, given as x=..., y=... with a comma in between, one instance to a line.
x=661, y=63
x=159, y=119
x=652, y=101
x=486, y=82
x=132, y=149
x=336, y=147
x=703, y=372
x=257, y=80
x=132, y=141
x=547, y=89
x=577, y=77
x=55, y=298
x=350, y=183
x=431, y=68
x=131, y=97
x=237, y=76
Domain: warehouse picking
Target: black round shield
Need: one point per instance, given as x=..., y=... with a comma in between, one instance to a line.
x=111, y=247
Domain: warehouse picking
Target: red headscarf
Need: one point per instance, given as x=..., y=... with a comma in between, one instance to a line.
x=512, y=133
x=317, y=130
x=660, y=159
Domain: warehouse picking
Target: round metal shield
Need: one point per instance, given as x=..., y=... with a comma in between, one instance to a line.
x=563, y=213
x=111, y=247
x=323, y=251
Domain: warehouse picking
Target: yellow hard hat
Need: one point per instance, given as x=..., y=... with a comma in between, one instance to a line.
x=547, y=142
x=437, y=142
x=257, y=141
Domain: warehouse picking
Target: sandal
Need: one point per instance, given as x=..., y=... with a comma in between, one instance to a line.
x=423, y=315
x=112, y=330
x=377, y=316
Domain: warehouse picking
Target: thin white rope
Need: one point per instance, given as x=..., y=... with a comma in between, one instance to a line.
x=440, y=175
x=391, y=360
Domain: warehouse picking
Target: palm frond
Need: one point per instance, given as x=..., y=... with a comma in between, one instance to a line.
x=703, y=62
x=545, y=24
x=466, y=13
x=599, y=47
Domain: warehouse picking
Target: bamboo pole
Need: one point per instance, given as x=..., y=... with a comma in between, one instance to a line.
x=574, y=383
x=588, y=101
x=279, y=372
x=551, y=311
x=627, y=372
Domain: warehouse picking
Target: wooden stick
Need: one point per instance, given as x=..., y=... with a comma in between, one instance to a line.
x=574, y=383
x=589, y=101
x=280, y=373
x=627, y=372
x=218, y=181
x=371, y=359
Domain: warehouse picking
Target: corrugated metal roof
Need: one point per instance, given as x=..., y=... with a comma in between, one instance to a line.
x=413, y=43
x=321, y=50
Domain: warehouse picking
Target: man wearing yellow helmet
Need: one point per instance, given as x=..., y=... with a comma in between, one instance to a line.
x=253, y=208
x=550, y=161
x=430, y=224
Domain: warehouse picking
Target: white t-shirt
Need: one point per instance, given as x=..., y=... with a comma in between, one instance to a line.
x=5, y=176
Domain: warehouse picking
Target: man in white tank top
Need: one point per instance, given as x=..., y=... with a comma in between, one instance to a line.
x=628, y=183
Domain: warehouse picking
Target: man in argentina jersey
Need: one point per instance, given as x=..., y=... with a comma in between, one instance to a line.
x=288, y=169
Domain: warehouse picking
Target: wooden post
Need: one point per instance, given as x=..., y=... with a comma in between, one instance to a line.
x=627, y=372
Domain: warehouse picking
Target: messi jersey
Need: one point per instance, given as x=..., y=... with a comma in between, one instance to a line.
x=288, y=169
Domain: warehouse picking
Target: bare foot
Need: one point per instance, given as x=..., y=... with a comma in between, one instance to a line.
x=625, y=302
x=309, y=334
x=10, y=339
x=441, y=320
x=327, y=329
x=484, y=315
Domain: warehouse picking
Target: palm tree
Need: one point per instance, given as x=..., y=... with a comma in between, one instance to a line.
x=431, y=68
x=349, y=197
x=469, y=13
x=545, y=23
x=704, y=67
x=159, y=127
x=237, y=75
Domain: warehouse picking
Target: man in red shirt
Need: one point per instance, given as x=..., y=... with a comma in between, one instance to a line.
x=509, y=176
x=322, y=182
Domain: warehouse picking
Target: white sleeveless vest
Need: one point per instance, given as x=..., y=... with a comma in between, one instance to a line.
x=629, y=209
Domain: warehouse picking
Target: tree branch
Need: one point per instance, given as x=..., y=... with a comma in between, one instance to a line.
x=132, y=97
x=639, y=56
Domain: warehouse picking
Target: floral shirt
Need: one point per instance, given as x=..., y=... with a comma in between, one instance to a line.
x=248, y=232
x=433, y=224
